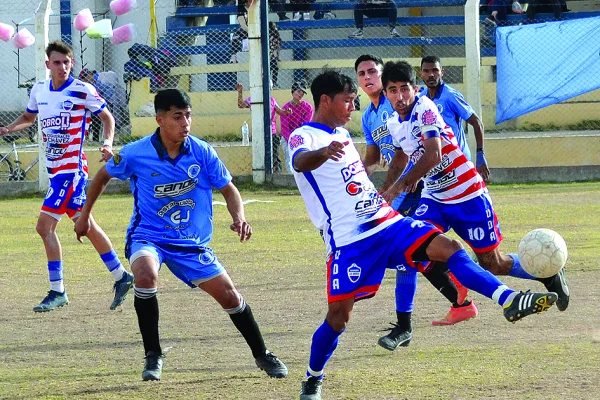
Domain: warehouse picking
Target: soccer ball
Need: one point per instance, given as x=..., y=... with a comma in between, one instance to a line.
x=542, y=253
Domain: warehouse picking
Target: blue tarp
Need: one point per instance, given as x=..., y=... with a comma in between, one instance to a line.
x=544, y=64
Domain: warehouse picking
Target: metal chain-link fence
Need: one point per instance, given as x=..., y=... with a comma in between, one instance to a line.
x=201, y=46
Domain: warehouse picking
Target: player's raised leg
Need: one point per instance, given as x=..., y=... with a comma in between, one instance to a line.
x=104, y=247
x=516, y=305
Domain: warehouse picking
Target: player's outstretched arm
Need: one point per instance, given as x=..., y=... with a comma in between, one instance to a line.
x=372, y=158
x=310, y=160
x=395, y=169
x=24, y=121
x=99, y=183
x=236, y=209
x=108, y=123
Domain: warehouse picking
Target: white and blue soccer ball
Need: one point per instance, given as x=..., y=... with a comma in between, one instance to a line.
x=542, y=253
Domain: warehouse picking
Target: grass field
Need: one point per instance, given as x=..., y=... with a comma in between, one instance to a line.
x=85, y=351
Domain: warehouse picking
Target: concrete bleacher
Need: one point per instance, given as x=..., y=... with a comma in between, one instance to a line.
x=425, y=26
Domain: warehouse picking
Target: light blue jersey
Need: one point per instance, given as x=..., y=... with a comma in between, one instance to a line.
x=172, y=197
x=455, y=111
x=374, y=124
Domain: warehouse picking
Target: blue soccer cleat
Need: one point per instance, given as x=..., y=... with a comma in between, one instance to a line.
x=52, y=301
x=121, y=288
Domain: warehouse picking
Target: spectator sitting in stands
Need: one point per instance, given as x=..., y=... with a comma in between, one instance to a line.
x=374, y=9
x=557, y=7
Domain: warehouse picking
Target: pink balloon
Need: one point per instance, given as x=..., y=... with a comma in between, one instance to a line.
x=120, y=7
x=6, y=31
x=83, y=20
x=123, y=34
x=23, y=39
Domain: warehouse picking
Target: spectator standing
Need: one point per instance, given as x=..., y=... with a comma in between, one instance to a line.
x=275, y=110
x=105, y=91
x=301, y=113
x=374, y=9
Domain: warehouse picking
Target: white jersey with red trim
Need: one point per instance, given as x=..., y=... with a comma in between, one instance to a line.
x=64, y=115
x=455, y=178
x=340, y=199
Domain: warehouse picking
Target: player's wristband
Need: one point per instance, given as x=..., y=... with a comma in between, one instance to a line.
x=480, y=158
x=107, y=142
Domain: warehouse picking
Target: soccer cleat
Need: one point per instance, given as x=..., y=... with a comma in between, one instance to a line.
x=357, y=34
x=152, y=366
x=394, y=32
x=121, y=288
x=463, y=292
x=558, y=284
x=311, y=389
x=524, y=304
x=53, y=300
x=272, y=365
x=395, y=338
x=458, y=314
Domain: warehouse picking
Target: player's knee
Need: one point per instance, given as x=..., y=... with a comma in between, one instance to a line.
x=338, y=319
x=230, y=299
x=145, y=277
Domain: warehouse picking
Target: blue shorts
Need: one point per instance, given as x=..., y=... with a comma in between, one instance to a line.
x=357, y=269
x=188, y=264
x=473, y=220
x=66, y=195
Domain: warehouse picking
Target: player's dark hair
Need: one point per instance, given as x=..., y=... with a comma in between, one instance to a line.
x=167, y=98
x=367, y=57
x=59, y=47
x=331, y=82
x=431, y=60
x=398, y=71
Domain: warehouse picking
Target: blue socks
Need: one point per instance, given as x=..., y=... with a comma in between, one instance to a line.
x=517, y=271
x=55, y=274
x=324, y=342
x=406, y=288
x=112, y=262
x=474, y=277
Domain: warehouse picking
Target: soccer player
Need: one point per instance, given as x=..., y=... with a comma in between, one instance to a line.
x=454, y=110
x=172, y=175
x=64, y=105
x=380, y=145
x=454, y=196
x=363, y=234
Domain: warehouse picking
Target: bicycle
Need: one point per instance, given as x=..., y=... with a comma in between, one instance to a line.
x=10, y=172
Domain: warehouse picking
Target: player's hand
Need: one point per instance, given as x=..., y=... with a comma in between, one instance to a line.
x=481, y=165
x=287, y=111
x=107, y=152
x=239, y=87
x=335, y=150
x=3, y=130
x=243, y=229
x=393, y=192
x=81, y=228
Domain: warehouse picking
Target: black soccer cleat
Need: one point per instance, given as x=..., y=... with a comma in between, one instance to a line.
x=272, y=365
x=524, y=304
x=152, y=366
x=311, y=389
x=397, y=337
x=558, y=284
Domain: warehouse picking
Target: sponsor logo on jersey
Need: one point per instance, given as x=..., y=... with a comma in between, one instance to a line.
x=56, y=138
x=181, y=203
x=380, y=133
x=67, y=105
x=368, y=206
x=53, y=153
x=428, y=118
x=446, y=180
x=63, y=121
x=174, y=189
x=207, y=257
x=354, y=188
x=421, y=210
x=193, y=171
x=440, y=167
x=296, y=141
x=354, y=273
x=417, y=154
x=353, y=169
